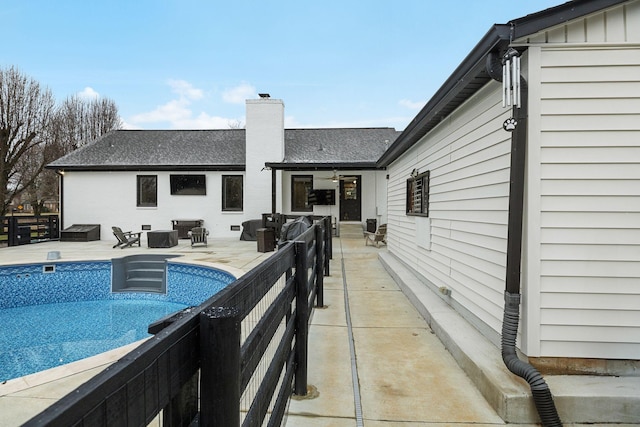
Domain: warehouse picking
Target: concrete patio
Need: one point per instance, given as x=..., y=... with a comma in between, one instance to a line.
x=384, y=351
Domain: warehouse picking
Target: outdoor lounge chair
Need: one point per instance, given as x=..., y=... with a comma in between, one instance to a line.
x=380, y=236
x=125, y=238
x=198, y=236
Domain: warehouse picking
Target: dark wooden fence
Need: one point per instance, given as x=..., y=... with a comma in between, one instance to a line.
x=222, y=363
x=25, y=229
x=275, y=221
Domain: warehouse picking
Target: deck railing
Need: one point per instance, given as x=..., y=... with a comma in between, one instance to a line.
x=25, y=229
x=234, y=360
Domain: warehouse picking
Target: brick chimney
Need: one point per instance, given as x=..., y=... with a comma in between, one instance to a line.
x=264, y=143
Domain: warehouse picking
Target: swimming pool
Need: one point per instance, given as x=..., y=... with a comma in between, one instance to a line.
x=55, y=313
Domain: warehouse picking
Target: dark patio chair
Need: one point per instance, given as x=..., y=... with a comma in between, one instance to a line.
x=125, y=238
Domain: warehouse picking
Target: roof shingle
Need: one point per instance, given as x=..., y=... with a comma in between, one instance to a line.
x=222, y=149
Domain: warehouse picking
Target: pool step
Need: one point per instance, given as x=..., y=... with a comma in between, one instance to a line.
x=140, y=273
x=145, y=273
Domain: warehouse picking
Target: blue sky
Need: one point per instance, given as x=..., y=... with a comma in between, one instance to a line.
x=190, y=64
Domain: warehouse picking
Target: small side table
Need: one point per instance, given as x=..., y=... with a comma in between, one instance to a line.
x=162, y=238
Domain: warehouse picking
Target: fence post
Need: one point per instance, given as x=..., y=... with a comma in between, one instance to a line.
x=328, y=245
x=12, y=231
x=302, y=318
x=220, y=367
x=54, y=227
x=319, y=279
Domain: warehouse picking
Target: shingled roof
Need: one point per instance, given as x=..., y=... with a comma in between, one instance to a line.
x=335, y=148
x=224, y=149
x=160, y=150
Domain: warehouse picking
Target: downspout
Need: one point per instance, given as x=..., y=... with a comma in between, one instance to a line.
x=60, y=174
x=542, y=396
x=273, y=190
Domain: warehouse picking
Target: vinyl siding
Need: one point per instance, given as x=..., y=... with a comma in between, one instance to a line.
x=587, y=189
x=581, y=253
x=468, y=156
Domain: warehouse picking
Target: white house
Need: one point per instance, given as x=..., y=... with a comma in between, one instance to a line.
x=147, y=179
x=579, y=122
x=444, y=185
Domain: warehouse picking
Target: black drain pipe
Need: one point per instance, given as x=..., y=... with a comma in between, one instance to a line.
x=539, y=389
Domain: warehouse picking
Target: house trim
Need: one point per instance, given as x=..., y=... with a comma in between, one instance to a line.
x=472, y=73
x=323, y=166
x=143, y=168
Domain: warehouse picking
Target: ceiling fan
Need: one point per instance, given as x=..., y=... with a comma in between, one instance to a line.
x=336, y=177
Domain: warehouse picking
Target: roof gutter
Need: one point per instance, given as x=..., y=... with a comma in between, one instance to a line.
x=446, y=99
x=471, y=74
x=139, y=168
x=322, y=166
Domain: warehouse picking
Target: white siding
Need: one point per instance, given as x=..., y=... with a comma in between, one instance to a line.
x=468, y=156
x=581, y=255
x=584, y=196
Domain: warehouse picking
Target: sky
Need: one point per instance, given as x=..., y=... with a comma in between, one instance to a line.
x=191, y=64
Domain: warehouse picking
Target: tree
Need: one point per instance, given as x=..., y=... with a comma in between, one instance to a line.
x=80, y=121
x=45, y=185
x=33, y=132
x=236, y=124
x=26, y=114
x=76, y=122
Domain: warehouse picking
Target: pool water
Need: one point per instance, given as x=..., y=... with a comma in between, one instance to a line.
x=38, y=337
x=57, y=315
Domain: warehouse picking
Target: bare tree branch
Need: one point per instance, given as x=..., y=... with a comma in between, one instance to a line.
x=26, y=112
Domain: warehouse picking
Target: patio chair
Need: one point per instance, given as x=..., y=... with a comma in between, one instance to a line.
x=380, y=236
x=125, y=238
x=198, y=236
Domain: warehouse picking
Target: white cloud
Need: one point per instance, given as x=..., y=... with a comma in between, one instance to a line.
x=411, y=104
x=182, y=111
x=88, y=93
x=239, y=94
x=173, y=111
x=185, y=89
x=179, y=115
x=130, y=126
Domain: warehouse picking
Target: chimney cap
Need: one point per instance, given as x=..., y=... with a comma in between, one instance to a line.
x=264, y=95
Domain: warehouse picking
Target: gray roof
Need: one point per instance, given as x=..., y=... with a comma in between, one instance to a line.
x=159, y=149
x=225, y=149
x=335, y=147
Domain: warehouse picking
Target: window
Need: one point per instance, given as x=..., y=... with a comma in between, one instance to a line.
x=188, y=185
x=418, y=195
x=301, y=187
x=147, y=191
x=231, y=192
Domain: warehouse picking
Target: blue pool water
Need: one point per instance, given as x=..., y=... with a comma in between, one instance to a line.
x=53, y=316
x=39, y=337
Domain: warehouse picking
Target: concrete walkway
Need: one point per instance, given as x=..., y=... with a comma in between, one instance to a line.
x=402, y=373
x=375, y=360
